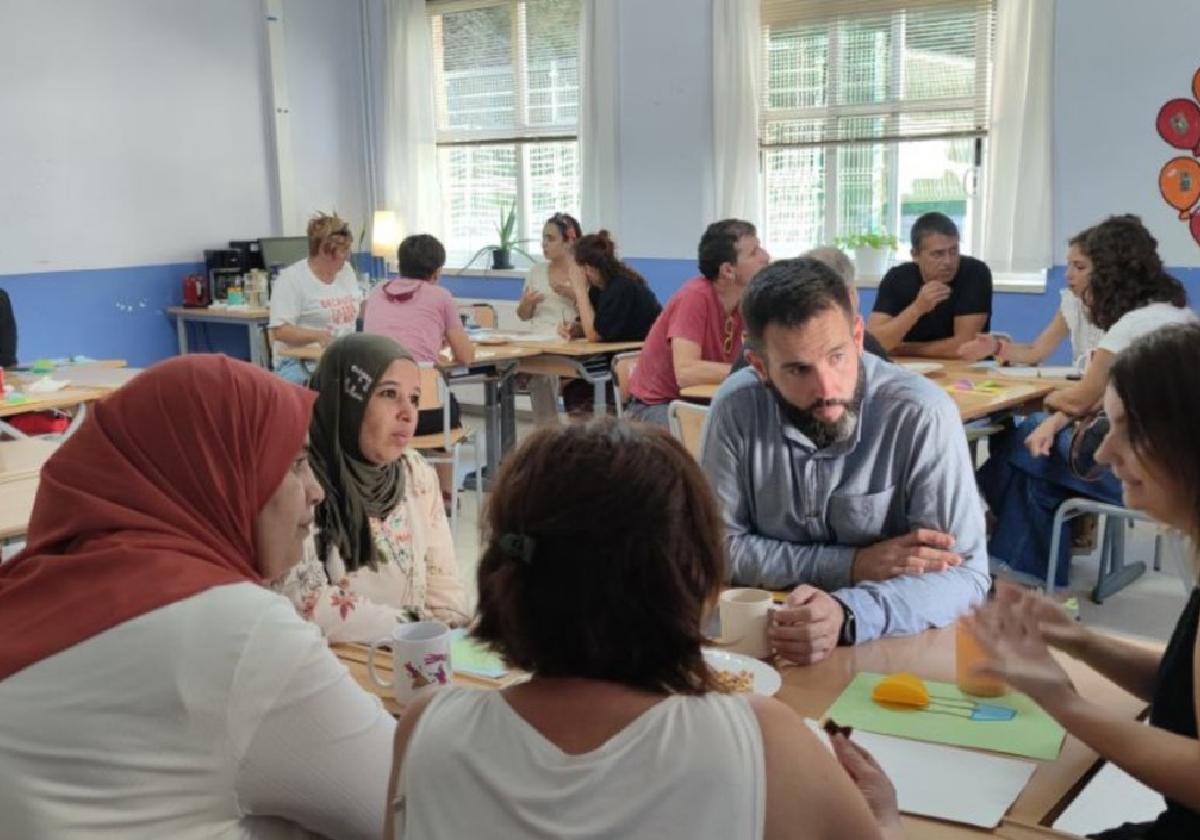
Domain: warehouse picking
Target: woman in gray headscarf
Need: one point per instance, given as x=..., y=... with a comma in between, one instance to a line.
x=382, y=551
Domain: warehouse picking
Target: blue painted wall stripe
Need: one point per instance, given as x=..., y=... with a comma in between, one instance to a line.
x=121, y=312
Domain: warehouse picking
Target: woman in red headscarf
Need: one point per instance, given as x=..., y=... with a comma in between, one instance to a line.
x=152, y=684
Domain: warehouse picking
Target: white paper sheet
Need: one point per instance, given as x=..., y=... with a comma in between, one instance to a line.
x=1112, y=797
x=948, y=783
x=1039, y=372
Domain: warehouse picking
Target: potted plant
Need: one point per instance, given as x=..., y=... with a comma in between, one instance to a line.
x=506, y=244
x=871, y=251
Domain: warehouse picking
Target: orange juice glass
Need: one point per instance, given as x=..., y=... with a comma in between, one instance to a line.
x=967, y=654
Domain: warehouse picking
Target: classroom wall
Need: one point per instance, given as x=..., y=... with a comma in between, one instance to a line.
x=152, y=117
x=135, y=134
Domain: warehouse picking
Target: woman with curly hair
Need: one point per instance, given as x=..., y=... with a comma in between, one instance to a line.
x=1129, y=295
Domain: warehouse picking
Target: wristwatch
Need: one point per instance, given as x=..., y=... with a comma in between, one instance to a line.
x=849, y=632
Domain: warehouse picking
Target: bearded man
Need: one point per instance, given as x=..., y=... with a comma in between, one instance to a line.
x=840, y=474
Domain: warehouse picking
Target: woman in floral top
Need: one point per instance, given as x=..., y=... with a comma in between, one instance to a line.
x=382, y=552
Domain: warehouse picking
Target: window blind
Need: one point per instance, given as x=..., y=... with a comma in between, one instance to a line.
x=872, y=71
x=505, y=70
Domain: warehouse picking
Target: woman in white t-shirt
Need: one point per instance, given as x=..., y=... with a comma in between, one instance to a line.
x=151, y=683
x=1029, y=473
x=548, y=300
x=1070, y=321
x=317, y=299
x=621, y=731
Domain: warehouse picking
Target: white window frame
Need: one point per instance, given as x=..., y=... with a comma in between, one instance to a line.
x=890, y=110
x=521, y=137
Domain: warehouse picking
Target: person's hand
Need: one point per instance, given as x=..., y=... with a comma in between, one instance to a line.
x=564, y=331
x=806, y=628
x=979, y=347
x=566, y=288
x=531, y=298
x=869, y=778
x=1057, y=626
x=1008, y=631
x=930, y=295
x=325, y=337
x=1041, y=440
x=918, y=552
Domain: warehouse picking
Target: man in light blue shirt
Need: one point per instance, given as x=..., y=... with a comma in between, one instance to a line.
x=840, y=474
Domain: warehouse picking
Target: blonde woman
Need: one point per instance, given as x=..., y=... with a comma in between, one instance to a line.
x=316, y=299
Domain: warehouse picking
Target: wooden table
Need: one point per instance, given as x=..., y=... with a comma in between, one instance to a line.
x=1015, y=393
x=20, y=463
x=253, y=318
x=66, y=398
x=103, y=377
x=590, y=361
x=930, y=655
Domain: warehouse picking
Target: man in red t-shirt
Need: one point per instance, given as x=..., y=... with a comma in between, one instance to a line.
x=698, y=336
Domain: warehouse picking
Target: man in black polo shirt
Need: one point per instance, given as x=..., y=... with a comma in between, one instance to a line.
x=929, y=306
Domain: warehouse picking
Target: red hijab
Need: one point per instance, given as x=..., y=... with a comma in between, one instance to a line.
x=152, y=501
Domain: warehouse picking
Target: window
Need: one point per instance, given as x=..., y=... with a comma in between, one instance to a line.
x=873, y=112
x=506, y=76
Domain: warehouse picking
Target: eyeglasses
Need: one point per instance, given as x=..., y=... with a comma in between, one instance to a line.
x=727, y=344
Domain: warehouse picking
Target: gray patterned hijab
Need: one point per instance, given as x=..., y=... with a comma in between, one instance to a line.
x=355, y=489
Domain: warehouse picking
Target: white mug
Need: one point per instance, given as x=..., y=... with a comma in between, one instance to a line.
x=745, y=615
x=420, y=659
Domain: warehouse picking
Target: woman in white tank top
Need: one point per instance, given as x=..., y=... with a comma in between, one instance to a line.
x=602, y=554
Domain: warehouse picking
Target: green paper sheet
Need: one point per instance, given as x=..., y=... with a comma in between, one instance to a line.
x=1032, y=733
x=470, y=657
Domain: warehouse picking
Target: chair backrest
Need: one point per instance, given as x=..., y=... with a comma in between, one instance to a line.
x=622, y=369
x=432, y=388
x=686, y=421
x=483, y=314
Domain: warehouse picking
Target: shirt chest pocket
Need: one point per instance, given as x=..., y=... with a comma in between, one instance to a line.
x=860, y=518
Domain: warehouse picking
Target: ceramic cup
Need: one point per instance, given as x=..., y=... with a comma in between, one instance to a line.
x=420, y=658
x=745, y=615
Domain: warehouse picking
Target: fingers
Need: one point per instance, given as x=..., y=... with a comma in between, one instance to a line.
x=931, y=538
x=927, y=560
x=801, y=595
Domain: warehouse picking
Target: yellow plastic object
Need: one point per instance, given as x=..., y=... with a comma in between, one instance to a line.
x=901, y=690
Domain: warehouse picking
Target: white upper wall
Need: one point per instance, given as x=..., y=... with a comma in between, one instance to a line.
x=665, y=96
x=1115, y=64
x=138, y=132
x=325, y=91
x=133, y=132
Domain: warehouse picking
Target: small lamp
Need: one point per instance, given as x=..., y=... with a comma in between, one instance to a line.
x=385, y=237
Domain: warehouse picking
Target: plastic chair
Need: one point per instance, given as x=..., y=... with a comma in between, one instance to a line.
x=1114, y=573
x=443, y=447
x=686, y=422
x=622, y=368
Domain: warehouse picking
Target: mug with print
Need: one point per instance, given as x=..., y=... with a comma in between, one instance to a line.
x=420, y=659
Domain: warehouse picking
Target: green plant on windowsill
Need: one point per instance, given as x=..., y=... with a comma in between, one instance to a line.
x=506, y=244
x=879, y=241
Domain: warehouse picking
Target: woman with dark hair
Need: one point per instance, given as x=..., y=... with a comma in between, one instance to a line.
x=615, y=304
x=1152, y=401
x=548, y=300
x=1029, y=475
x=619, y=731
x=383, y=551
x=1070, y=320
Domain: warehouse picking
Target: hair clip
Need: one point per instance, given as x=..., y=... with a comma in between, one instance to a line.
x=518, y=547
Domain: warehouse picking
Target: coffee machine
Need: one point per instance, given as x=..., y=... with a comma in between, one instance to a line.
x=223, y=267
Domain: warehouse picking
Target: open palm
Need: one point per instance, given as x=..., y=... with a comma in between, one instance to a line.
x=1010, y=635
